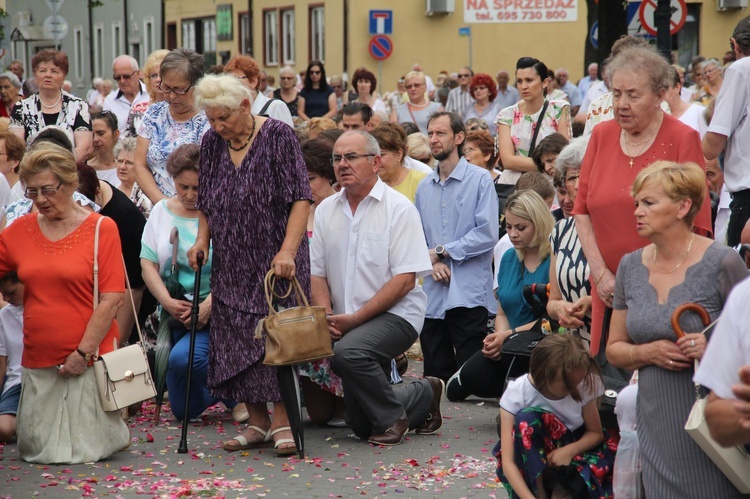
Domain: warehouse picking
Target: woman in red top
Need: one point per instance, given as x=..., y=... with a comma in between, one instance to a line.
x=640, y=134
x=10, y=88
x=60, y=417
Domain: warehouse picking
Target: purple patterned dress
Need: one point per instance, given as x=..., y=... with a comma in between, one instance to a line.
x=247, y=209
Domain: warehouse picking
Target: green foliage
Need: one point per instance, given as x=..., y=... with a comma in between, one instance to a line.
x=3, y=13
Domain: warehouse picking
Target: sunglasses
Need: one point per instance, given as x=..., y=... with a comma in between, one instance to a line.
x=413, y=85
x=463, y=76
x=314, y=72
x=124, y=77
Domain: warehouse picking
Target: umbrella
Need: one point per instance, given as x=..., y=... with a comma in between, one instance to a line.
x=164, y=334
x=182, y=448
x=289, y=388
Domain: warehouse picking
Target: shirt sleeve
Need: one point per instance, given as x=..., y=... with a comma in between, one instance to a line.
x=317, y=244
x=149, y=240
x=619, y=302
x=292, y=178
x=731, y=272
x=82, y=120
x=512, y=399
x=483, y=237
x=16, y=116
x=111, y=266
x=731, y=103
x=729, y=349
x=148, y=124
x=280, y=111
x=408, y=248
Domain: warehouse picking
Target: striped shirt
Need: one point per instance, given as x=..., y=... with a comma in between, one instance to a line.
x=459, y=101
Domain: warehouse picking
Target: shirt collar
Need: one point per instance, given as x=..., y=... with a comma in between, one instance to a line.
x=376, y=192
x=141, y=89
x=458, y=173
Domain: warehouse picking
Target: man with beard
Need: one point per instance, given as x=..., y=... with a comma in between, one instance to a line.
x=459, y=212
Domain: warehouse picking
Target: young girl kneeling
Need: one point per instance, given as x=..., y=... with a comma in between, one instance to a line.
x=552, y=443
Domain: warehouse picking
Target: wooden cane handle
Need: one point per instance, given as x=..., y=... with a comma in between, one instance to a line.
x=688, y=307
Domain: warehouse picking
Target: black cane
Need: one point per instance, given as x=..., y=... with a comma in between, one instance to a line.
x=182, y=449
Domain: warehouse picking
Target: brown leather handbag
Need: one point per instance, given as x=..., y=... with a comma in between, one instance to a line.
x=293, y=335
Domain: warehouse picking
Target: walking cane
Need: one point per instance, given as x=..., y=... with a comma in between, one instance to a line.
x=182, y=449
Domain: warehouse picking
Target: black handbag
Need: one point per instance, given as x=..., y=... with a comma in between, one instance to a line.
x=614, y=378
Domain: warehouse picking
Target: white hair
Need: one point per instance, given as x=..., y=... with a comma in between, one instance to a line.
x=131, y=60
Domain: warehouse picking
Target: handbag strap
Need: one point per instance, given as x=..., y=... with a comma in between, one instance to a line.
x=96, y=262
x=132, y=302
x=538, y=127
x=270, y=283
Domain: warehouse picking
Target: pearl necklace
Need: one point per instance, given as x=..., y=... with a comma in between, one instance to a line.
x=238, y=149
x=690, y=246
x=51, y=105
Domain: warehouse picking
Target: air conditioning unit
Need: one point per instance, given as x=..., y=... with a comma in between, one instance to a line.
x=722, y=5
x=444, y=7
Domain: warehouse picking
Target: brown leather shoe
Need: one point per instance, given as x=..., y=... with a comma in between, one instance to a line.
x=435, y=419
x=393, y=435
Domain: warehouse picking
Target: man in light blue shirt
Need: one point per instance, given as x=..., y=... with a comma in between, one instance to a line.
x=574, y=95
x=507, y=95
x=459, y=210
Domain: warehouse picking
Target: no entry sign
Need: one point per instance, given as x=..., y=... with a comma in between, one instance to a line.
x=381, y=47
x=676, y=22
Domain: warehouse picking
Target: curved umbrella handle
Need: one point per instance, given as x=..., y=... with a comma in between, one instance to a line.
x=688, y=307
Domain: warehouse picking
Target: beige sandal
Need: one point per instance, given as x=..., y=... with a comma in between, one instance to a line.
x=245, y=444
x=285, y=451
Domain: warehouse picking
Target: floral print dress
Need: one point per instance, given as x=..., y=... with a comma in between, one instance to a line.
x=522, y=128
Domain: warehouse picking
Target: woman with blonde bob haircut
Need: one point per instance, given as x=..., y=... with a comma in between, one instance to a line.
x=253, y=180
x=678, y=267
x=59, y=421
x=529, y=224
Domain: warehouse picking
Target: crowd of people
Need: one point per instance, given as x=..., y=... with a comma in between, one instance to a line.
x=426, y=215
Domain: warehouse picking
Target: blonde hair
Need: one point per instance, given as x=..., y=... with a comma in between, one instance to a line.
x=221, y=91
x=152, y=62
x=418, y=147
x=530, y=206
x=317, y=125
x=48, y=156
x=680, y=181
x=415, y=74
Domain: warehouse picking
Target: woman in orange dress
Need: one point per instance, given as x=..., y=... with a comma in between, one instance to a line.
x=60, y=415
x=640, y=134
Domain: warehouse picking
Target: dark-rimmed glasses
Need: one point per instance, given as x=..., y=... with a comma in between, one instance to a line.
x=177, y=91
x=124, y=77
x=45, y=191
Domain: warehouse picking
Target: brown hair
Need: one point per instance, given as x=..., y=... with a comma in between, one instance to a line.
x=185, y=158
x=680, y=181
x=365, y=74
x=317, y=155
x=484, y=141
x=56, y=57
x=15, y=148
x=538, y=182
x=48, y=156
x=551, y=144
x=563, y=355
x=391, y=137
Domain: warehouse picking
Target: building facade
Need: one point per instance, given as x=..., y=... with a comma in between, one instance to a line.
x=91, y=36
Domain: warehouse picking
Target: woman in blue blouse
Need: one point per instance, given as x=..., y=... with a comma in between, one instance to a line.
x=529, y=224
x=317, y=99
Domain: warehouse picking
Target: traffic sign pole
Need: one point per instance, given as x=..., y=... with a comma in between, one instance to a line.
x=662, y=18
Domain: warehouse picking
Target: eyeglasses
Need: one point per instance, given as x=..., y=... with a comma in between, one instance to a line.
x=46, y=191
x=350, y=157
x=124, y=77
x=571, y=179
x=314, y=72
x=176, y=91
x=464, y=75
x=413, y=85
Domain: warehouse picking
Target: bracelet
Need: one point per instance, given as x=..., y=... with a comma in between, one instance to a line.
x=632, y=360
x=601, y=274
x=513, y=331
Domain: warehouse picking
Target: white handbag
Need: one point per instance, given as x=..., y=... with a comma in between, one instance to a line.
x=734, y=461
x=123, y=376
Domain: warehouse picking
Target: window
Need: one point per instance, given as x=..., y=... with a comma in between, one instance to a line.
x=78, y=51
x=317, y=34
x=287, y=36
x=271, y=38
x=116, y=40
x=135, y=51
x=209, y=35
x=245, y=34
x=188, y=34
x=99, y=50
x=148, y=36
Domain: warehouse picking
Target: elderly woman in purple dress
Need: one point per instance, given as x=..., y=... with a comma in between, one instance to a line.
x=254, y=198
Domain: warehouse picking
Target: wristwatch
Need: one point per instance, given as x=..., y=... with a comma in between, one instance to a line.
x=87, y=356
x=440, y=251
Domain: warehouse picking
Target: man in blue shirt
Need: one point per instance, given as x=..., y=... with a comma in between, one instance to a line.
x=459, y=210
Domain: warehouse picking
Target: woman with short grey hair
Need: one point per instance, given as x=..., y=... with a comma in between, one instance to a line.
x=287, y=90
x=10, y=86
x=255, y=199
x=168, y=124
x=124, y=153
x=713, y=77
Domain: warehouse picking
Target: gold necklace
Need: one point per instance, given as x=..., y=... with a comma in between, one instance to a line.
x=640, y=151
x=252, y=132
x=690, y=246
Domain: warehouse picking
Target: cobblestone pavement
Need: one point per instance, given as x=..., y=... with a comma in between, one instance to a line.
x=457, y=462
